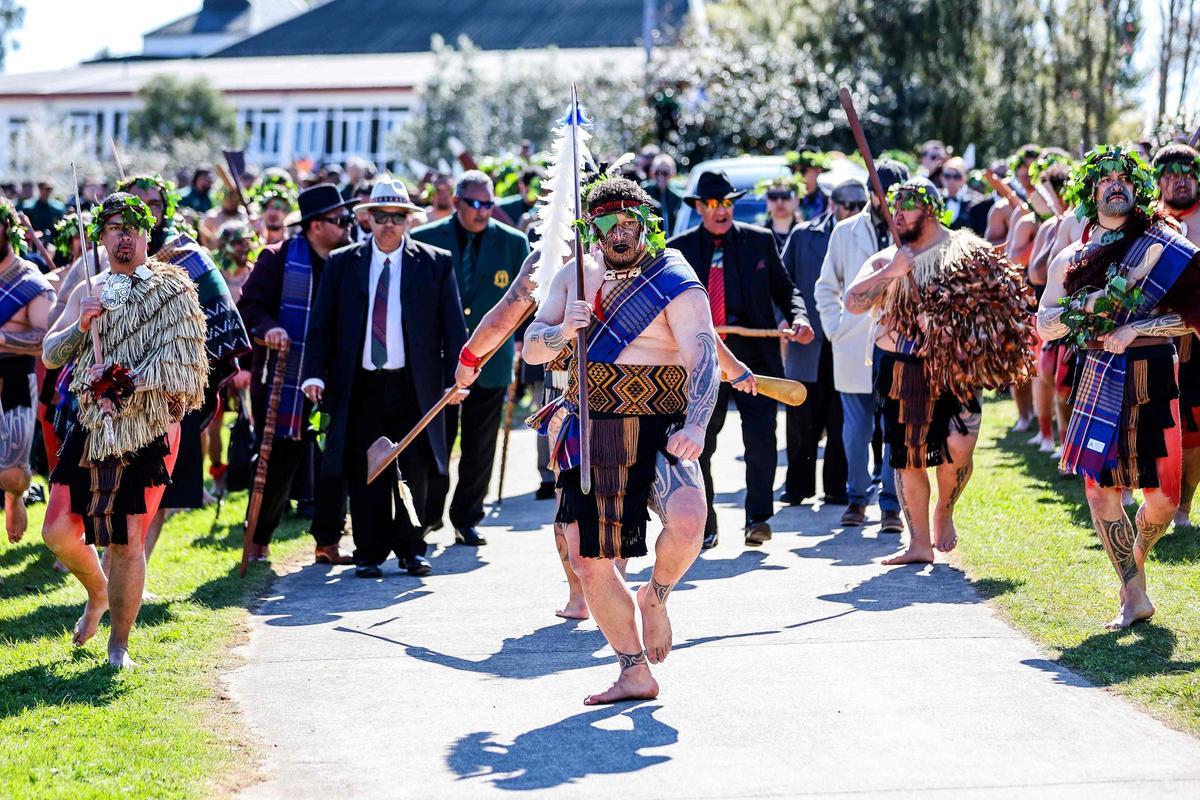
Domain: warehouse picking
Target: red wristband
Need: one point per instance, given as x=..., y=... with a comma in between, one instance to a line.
x=469, y=359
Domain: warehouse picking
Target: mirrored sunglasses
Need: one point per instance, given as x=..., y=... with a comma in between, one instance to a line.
x=713, y=202
x=478, y=205
x=784, y=195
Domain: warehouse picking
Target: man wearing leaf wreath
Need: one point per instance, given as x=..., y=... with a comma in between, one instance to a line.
x=1120, y=295
x=954, y=319
x=118, y=453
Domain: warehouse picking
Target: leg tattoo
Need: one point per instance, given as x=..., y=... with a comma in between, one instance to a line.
x=1117, y=535
x=661, y=590
x=903, y=498
x=1148, y=533
x=960, y=482
x=630, y=660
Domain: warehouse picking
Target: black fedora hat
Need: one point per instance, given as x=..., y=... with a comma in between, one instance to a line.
x=714, y=185
x=317, y=200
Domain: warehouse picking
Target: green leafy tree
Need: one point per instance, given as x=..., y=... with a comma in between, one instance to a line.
x=12, y=17
x=173, y=109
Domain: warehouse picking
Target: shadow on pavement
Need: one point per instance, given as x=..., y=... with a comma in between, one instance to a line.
x=900, y=587
x=708, y=569
x=564, y=752
x=849, y=548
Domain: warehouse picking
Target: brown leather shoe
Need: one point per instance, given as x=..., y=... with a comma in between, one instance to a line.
x=331, y=555
x=855, y=516
x=890, y=522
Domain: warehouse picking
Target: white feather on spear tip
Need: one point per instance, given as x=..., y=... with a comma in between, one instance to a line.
x=555, y=212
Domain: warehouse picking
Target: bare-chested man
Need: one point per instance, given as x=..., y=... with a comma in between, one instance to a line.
x=1002, y=215
x=26, y=298
x=117, y=455
x=929, y=377
x=1123, y=432
x=652, y=385
x=1176, y=167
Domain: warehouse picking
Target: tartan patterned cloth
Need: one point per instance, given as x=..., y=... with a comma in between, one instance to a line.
x=627, y=310
x=1090, y=444
x=294, y=309
x=19, y=284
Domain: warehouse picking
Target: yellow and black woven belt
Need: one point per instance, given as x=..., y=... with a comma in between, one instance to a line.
x=634, y=389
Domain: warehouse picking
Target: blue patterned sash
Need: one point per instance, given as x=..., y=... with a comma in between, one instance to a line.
x=294, y=310
x=19, y=284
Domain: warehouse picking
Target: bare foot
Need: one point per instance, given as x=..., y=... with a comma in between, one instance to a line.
x=119, y=657
x=15, y=518
x=576, y=608
x=656, y=625
x=1182, y=518
x=913, y=555
x=635, y=683
x=89, y=621
x=1132, y=612
x=945, y=535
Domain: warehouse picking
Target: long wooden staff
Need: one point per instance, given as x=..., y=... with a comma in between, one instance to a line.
x=510, y=404
x=1194, y=138
x=109, y=434
x=860, y=139
x=264, y=453
x=751, y=333
x=581, y=364
x=1004, y=190
x=112, y=143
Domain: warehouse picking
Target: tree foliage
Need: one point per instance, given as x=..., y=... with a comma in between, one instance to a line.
x=12, y=17
x=173, y=109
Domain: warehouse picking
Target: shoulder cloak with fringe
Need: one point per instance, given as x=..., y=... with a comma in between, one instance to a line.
x=971, y=317
x=159, y=333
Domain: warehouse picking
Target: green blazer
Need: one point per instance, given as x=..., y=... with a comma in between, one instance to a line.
x=501, y=252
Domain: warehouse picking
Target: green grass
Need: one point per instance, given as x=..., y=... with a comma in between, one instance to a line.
x=70, y=726
x=1027, y=542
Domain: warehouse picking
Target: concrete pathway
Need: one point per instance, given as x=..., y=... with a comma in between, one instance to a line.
x=801, y=668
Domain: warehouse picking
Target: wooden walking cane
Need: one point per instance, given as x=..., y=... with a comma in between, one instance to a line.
x=581, y=363
x=860, y=139
x=510, y=404
x=264, y=453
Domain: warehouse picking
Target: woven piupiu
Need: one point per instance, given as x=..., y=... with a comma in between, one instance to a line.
x=971, y=317
x=916, y=421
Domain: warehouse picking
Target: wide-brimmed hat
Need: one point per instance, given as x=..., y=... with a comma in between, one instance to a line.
x=714, y=185
x=315, y=201
x=389, y=192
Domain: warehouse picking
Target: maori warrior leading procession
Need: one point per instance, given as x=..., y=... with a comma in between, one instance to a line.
x=359, y=347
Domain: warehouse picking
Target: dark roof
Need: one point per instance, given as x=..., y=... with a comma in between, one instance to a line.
x=407, y=26
x=216, y=16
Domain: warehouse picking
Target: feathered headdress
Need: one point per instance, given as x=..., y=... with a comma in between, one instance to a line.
x=555, y=209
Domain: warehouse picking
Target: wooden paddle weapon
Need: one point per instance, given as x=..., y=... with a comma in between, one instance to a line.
x=254, y=508
x=1004, y=190
x=510, y=405
x=581, y=363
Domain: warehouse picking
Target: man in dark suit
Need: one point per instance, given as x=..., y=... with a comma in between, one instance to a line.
x=393, y=327
x=812, y=363
x=961, y=200
x=747, y=285
x=299, y=263
x=487, y=257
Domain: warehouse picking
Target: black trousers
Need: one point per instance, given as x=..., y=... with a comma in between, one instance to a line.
x=476, y=422
x=758, y=438
x=820, y=414
x=385, y=404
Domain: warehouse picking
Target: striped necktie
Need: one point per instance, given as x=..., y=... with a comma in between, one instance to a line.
x=716, y=285
x=379, y=315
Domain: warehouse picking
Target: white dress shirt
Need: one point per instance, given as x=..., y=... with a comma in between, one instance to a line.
x=395, y=328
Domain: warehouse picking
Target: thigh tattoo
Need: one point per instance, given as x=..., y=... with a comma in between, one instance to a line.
x=670, y=478
x=16, y=434
x=971, y=422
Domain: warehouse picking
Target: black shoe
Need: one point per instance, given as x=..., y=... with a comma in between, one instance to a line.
x=418, y=565
x=469, y=536
x=835, y=500
x=368, y=571
x=757, y=533
x=710, y=541
x=545, y=491
x=789, y=499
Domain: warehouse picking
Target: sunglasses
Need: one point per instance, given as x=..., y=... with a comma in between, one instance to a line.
x=931, y=154
x=478, y=205
x=780, y=195
x=343, y=221
x=853, y=205
x=713, y=202
x=394, y=217
x=951, y=175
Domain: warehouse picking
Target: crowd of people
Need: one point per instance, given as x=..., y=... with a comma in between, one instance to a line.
x=337, y=306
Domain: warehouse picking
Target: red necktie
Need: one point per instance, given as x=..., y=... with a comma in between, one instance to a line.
x=716, y=285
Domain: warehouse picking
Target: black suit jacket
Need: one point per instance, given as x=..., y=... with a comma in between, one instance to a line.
x=434, y=333
x=756, y=288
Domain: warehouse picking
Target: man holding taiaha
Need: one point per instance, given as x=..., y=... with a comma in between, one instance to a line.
x=226, y=336
x=1176, y=167
x=652, y=384
x=117, y=455
x=958, y=325
x=1120, y=295
x=26, y=298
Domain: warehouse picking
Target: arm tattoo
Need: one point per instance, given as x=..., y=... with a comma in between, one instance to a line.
x=628, y=660
x=24, y=342
x=59, y=348
x=703, y=382
x=520, y=292
x=554, y=339
x=868, y=295
x=1049, y=323
x=1166, y=325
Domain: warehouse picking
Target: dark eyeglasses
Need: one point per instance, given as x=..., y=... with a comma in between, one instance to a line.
x=343, y=221
x=478, y=205
x=714, y=202
x=852, y=205
x=394, y=217
x=780, y=195
x=951, y=175
x=932, y=154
